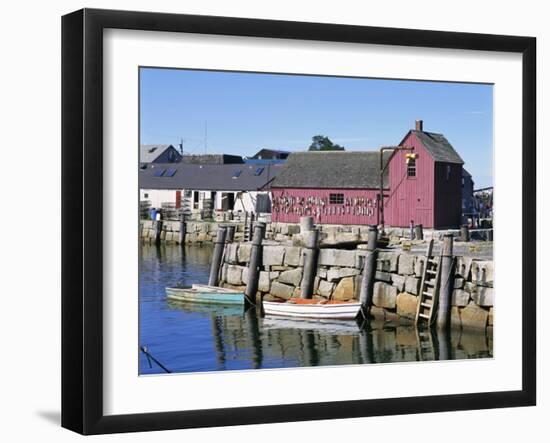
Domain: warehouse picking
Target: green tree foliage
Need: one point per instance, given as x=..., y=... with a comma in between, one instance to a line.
x=322, y=143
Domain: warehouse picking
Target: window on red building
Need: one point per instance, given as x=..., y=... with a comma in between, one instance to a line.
x=411, y=167
x=336, y=199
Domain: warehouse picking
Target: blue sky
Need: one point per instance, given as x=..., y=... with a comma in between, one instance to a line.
x=245, y=112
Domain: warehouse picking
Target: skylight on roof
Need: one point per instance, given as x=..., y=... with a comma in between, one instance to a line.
x=237, y=173
x=170, y=172
x=259, y=171
x=160, y=172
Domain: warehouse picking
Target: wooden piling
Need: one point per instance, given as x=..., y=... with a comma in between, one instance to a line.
x=369, y=269
x=446, y=283
x=311, y=254
x=444, y=345
x=230, y=234
x=418, y=232
x=183, y=229
x=219, y=246
x=366, y=346
x=254, y=336
x=251, y=226
x=306, y=224
x=464, y=233
x=158, y=230
x=254, y=264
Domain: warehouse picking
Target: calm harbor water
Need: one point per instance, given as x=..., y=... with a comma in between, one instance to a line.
x=193, y=338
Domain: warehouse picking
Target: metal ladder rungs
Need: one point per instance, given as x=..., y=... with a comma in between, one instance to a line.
x=429, y=294
x=431, y=271
x=426, y=305
x=427, y=317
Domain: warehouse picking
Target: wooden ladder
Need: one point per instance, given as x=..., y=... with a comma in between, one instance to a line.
x=425, y=346
x=429, y=288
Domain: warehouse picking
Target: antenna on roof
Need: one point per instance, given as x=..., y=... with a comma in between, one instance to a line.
x=181, y=145
x=205, y=136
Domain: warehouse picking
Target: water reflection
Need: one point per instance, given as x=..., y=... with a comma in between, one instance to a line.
x=191, y=337
x=259, y=342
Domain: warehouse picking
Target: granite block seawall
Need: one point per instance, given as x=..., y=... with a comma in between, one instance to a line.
x=339, y=273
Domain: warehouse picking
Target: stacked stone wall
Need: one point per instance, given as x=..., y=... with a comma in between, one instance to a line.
x=339, y=273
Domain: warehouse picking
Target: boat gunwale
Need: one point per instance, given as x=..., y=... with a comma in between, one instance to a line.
x=197, y=289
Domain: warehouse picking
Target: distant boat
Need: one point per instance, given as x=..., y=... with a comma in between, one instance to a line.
x=318, y=309
x=206, y=294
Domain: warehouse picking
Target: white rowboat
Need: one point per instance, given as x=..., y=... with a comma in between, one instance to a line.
x=301, y=308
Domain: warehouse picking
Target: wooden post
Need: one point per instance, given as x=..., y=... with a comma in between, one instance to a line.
x=444, y=346
x=158, y=229
x=446, y=283
x=254, y=264
x=418, y=232
x=464, y=233
x=230, y=234
x=251, y=226
x=369, y=269
x=306, y=224
x=217, y=334
x=183, y=228
x=253, y=330
x=219, y=246
x=308, y=347
x=366, y=345
x=311, y=255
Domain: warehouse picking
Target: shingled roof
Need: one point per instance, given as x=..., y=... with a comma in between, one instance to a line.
x=438, y=147
x=151, y=153
x=212, y=159
x=332, y=169
x=227, y=177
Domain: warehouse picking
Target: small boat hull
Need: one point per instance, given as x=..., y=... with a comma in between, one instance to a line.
x=209, y=309
x=328, y=326
x=206, y=294
x=299, y=308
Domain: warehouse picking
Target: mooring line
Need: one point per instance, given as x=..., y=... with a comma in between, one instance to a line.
x=149, y=356
x=149, y=361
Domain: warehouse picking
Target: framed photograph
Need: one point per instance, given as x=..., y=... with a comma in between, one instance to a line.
x=268, y=221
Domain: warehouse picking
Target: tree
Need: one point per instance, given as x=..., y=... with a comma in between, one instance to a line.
x=322, y=143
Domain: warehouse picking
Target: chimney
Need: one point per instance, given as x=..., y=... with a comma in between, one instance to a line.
x=419, y=125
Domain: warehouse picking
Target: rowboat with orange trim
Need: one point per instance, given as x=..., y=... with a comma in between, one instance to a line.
x=318, y=309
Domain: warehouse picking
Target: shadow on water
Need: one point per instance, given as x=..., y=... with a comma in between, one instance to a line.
x=192, y=337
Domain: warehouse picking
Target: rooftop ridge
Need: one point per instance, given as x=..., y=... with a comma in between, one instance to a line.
x=375, y=151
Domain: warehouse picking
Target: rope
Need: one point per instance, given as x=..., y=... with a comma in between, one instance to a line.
x=150, y=357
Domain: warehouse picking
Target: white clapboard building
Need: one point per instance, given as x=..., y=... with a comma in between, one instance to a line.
x=217, y=187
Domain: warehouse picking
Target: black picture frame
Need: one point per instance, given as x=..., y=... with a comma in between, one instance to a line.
x=82, y=216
